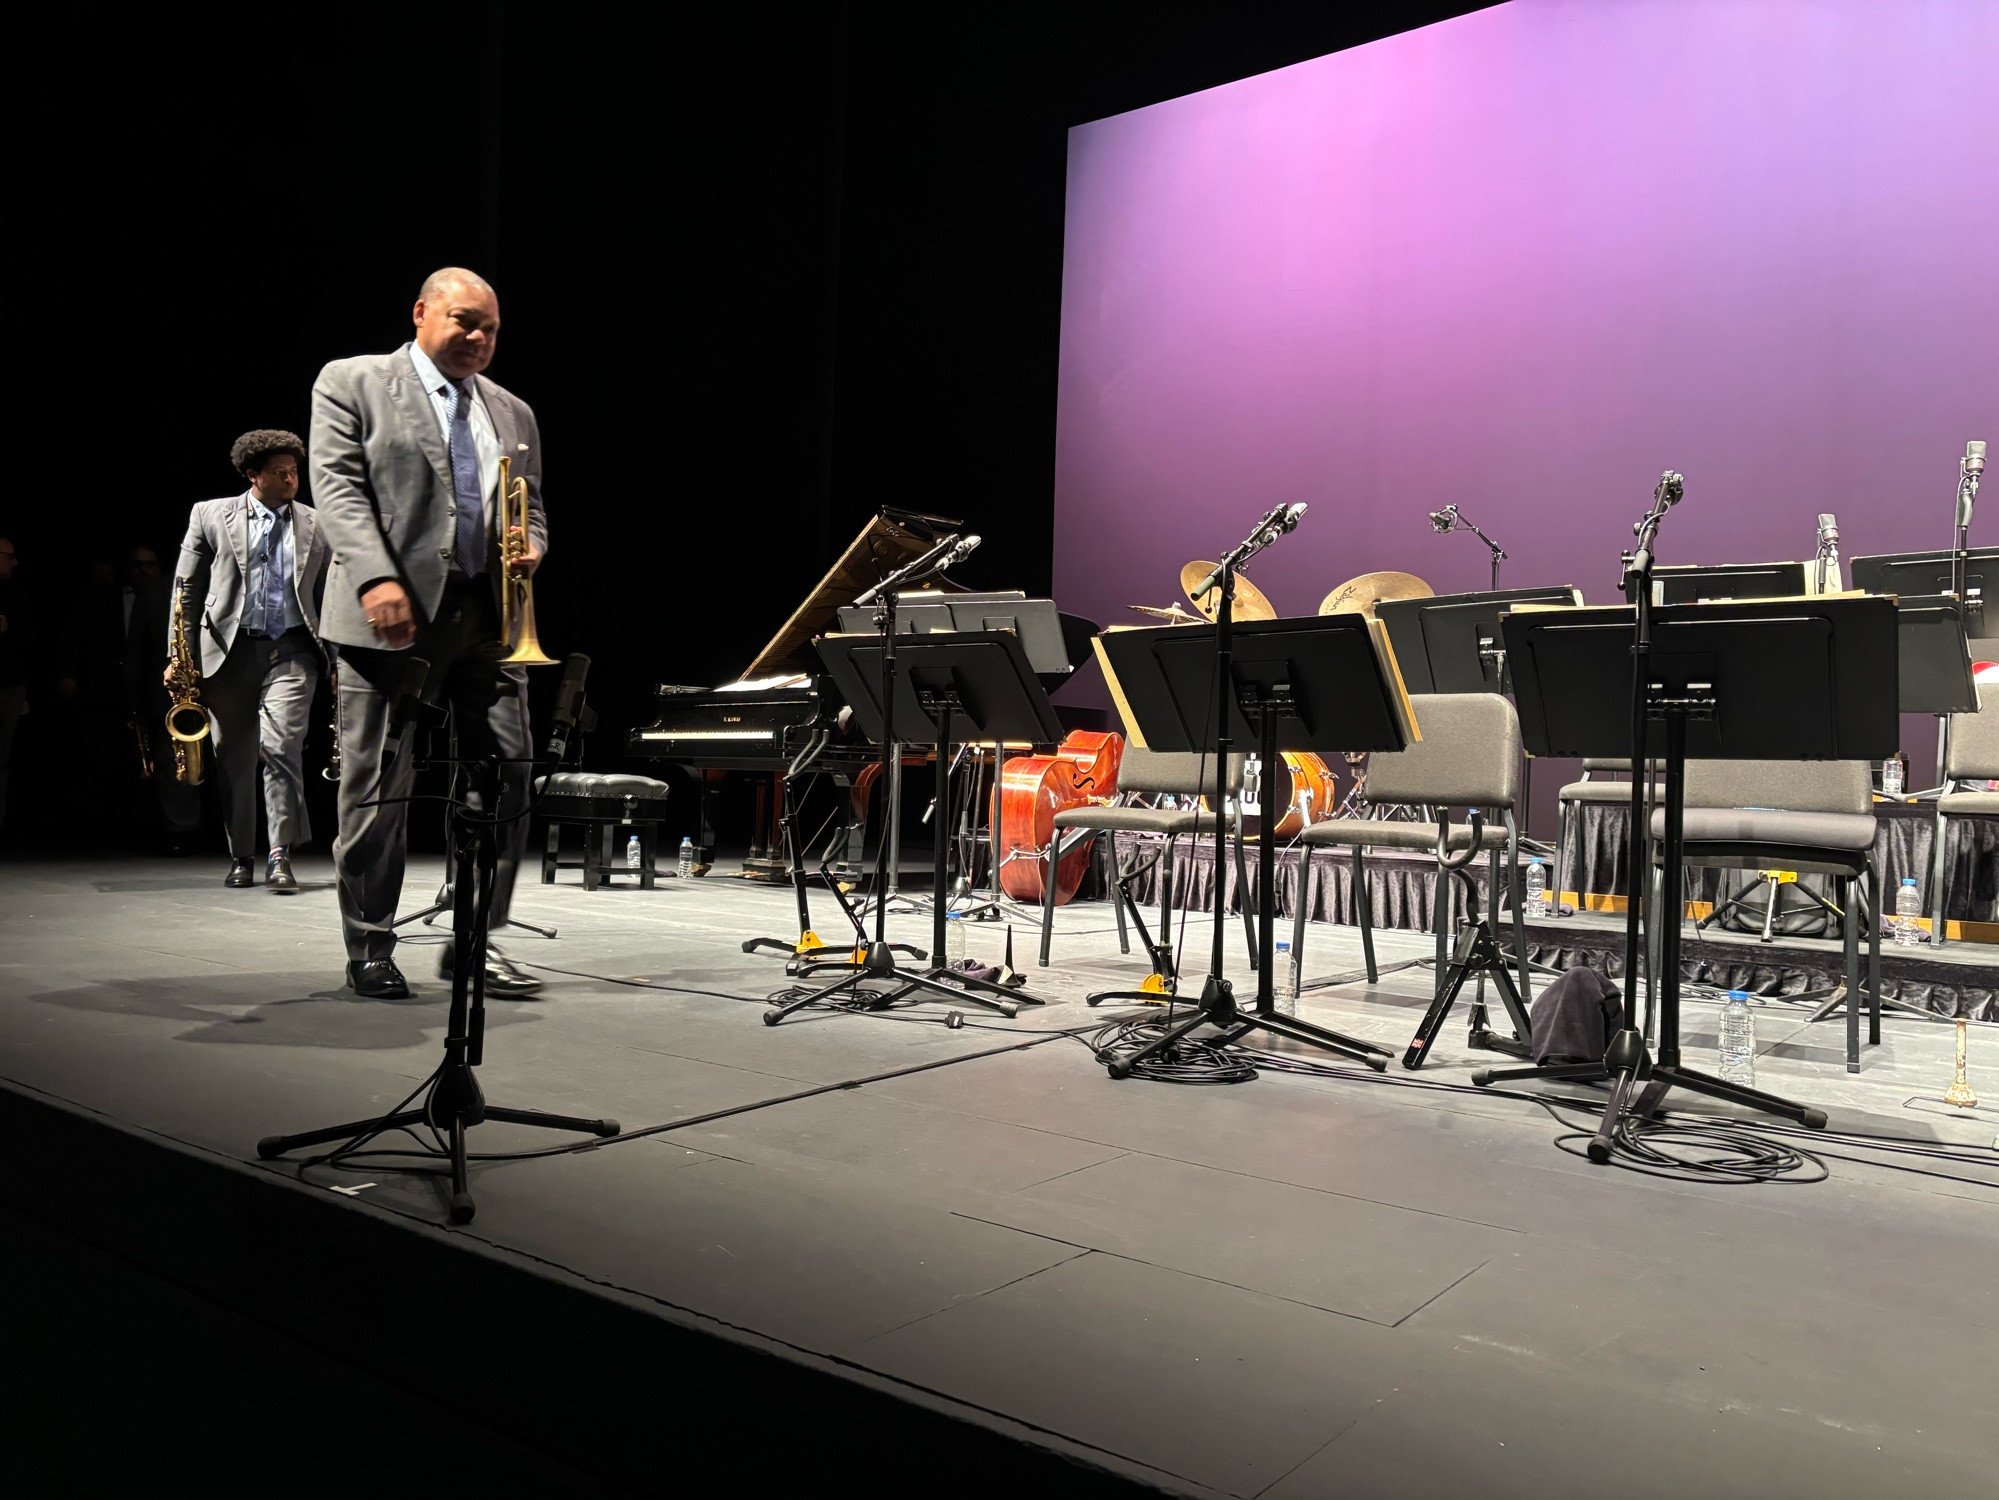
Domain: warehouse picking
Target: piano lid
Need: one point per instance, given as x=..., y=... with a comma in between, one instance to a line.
x=892, y=538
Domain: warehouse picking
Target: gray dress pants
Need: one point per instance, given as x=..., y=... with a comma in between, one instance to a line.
x=489, y=716
x=258, y=705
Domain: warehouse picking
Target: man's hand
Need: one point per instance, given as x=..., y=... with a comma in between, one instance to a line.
x=524, y=565
x=388, y=610
x=167, y=674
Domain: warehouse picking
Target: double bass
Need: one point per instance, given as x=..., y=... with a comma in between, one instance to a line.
x=1030, y=791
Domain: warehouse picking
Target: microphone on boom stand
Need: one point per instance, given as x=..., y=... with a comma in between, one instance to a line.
x=568, y=705
x=1281, y=521
x=1444, y=520
x=1972, y=467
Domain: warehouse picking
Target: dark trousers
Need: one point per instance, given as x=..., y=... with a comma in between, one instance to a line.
x=258, y=707
x=489, y=716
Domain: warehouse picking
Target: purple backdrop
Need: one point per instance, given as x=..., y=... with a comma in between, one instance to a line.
x=1523, y=261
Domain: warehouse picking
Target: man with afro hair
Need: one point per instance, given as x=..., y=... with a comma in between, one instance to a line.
x=251, y=574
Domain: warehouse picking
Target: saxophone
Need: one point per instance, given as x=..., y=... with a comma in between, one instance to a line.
x=187, y=720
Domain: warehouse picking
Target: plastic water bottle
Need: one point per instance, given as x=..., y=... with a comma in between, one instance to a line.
x=1738, y=1040
x=1537, y=889
x=686, y=857
x=1891, y=776
x=954, y=938
x=1284, y=981
x=632, y=852
x=1908, y=907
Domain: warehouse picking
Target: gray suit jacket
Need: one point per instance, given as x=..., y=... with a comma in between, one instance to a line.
x=216, y=550
x=381, y=477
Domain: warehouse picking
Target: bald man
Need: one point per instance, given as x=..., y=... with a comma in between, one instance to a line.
x=405, y=451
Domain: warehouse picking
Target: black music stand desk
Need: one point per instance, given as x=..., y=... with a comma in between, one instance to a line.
x=1787, y=679
x=1324, y=683
x=953, y=687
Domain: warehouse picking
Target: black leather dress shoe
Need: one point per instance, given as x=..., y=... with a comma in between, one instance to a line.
x=503, y=976
x=278, y=876
x=241, y=876
x=377, y=979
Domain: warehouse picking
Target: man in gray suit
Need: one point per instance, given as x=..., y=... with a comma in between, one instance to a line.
x=405, y=462
x=263, y=562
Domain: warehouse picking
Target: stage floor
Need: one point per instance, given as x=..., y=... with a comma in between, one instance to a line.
x=1292, y=1286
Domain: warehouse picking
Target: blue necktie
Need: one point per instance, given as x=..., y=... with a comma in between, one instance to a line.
x=465, y=482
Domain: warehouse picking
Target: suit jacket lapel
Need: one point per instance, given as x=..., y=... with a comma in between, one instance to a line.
x=238, y=526
x=410, y=396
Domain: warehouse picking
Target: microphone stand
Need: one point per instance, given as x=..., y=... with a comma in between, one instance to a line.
x=878, y=963
x=1459, y=523
x=1217, y=1005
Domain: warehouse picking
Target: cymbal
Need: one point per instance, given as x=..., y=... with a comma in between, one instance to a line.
x=1250, y=603
x=1172, y=612
x=1360, y=595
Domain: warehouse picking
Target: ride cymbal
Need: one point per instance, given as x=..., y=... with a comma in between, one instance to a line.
x=1360, y=595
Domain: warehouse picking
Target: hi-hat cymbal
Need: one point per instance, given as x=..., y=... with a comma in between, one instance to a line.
x=1360, y=595
x=1173, y=613
x=1250, y=604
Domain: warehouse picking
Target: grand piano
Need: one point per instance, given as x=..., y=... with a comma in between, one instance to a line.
x=783, y=713
x=783, y=706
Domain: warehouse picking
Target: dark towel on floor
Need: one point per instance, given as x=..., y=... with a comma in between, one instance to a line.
x=1574, y=1017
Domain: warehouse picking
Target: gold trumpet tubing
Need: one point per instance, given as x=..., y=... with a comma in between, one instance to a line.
x=517, y=626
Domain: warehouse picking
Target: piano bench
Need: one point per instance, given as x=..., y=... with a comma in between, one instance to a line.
x=601, y=805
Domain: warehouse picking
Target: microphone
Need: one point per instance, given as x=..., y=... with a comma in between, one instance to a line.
x=1972, y=467
x=1444, y=519
x=967, y=545
x=1293, y=514
x=568, y=701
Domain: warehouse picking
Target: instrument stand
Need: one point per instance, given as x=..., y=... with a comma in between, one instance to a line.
x=1787, y=680
x=1477, y=953
x=1164, y=980
x=810, y=954
x=1291, y=663
x=454, y=1103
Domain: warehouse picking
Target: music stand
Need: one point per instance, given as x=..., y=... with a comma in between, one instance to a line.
x=1926, y=577
x=1694, y=583
x=1449, y=643
x=960, y=687
x=1787, y=679
x=1325, y=683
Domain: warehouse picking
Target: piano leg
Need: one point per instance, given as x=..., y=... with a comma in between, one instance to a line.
x=766, y=860
x=704, y=838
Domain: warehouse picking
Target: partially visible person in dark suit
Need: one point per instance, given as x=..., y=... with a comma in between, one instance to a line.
x=95, y=685
x=16, y=625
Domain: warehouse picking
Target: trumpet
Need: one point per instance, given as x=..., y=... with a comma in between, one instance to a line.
x=187, y=720
x=331, y=770
x=516, y=593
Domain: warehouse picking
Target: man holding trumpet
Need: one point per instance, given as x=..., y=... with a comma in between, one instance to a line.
x=406, y=456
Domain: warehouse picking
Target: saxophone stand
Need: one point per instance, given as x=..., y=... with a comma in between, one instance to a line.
x=453, y=1102
x=1477, y=953
x=1285, y=671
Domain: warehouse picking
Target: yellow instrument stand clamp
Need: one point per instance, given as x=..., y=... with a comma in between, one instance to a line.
x=808, y=942
x=1780, y=877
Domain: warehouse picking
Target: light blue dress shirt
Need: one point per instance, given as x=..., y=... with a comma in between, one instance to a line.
x=273, y=567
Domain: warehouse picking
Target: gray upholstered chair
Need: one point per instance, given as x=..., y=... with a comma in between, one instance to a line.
x=1971, y=755
x=1605, y=783
x=1150, y=773
x=1814, y=817
x=1469, y=756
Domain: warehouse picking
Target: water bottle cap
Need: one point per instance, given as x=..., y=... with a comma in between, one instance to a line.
x=1536, y=859
x=1738, y=994
x=1908, y=880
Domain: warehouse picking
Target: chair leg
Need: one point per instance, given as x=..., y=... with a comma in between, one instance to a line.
x=1873, y=954
x=1939, y=834
x=648, y=856
x=1848, y=888
x=1048, y=861
x=1555, y=873
x=1442, y=922
x=1363, y=900
x=1517, y=894
x=1242, y=897
x=1166, y=892
x=552, y=854
x=1302, y=903
x=1107, y=842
